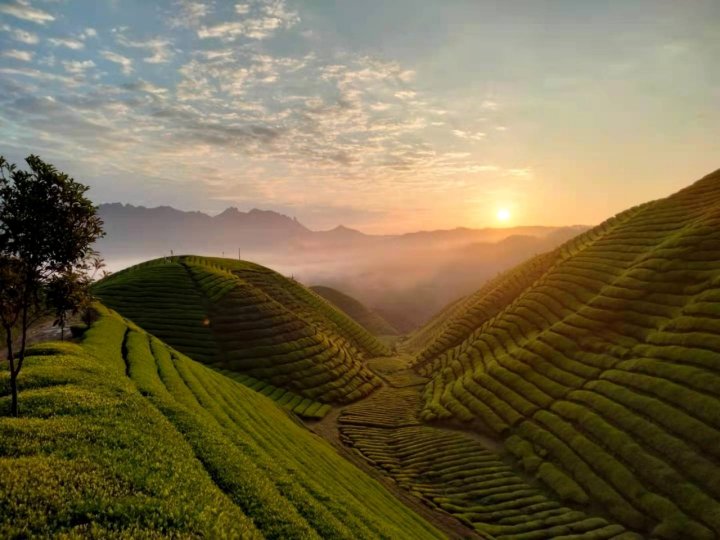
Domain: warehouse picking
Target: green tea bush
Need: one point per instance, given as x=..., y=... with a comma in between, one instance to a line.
x=125, y=437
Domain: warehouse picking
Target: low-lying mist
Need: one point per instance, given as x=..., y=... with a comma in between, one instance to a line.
x=405, y=278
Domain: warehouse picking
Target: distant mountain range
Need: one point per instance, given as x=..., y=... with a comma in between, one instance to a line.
x=164, y=228
x=405, y=277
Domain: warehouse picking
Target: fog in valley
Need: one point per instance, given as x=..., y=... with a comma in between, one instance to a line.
x=407, y=278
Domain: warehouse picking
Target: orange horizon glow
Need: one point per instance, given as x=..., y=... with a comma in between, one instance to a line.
x=387, y=133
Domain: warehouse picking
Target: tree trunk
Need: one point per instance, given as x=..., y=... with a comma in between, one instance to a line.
x=23, y=341
x=20, y=357
x=13, y=374
x=62, y=332
x=13, y=390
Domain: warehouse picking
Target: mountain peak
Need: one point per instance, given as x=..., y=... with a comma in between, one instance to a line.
x=230, y=211
x=345, y=231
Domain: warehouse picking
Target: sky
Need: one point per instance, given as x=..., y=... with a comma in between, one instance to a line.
x=384, y=116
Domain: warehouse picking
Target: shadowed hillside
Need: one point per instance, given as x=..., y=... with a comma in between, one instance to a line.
x=245, y=318
x=370, y=320
x=599, y=366
x=124, y=437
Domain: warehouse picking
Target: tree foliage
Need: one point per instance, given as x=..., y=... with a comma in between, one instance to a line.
x=47, y=227
x=66, y=294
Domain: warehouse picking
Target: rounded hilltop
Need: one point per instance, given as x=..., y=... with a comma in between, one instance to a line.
x=250, y=321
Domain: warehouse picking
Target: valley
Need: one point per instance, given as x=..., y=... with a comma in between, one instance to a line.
x=359, y=270
x=452, y=471
x=574, y=396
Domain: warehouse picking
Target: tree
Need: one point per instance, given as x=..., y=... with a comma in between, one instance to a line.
x=47, y=226
x=97, y=265
x=11, y=301
x=66, y=294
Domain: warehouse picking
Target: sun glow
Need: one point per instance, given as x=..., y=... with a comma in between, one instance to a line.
x=503, y=215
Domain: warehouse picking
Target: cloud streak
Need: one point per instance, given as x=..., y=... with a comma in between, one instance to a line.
x=21, y=9
x=125, y=63
x=70, y=43
x=22, y=56
x=23, y=36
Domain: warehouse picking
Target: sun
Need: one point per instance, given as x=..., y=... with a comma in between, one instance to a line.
x=503, y=214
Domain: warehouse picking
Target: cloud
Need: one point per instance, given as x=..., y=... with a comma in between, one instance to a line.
x=70, y=43
x=36, y=111
x=407, y=75
x=188, y=13
x=23, y=56
x=22, y=9
x=147, y=87
x=258, y=20
x=48, y=60
x=88, y=33
x=477, y=136
x=158, y=49
x=405, y=94
x=489, y=105
x=38, y=75
x=123, y=61
x=231, y=115
x=78, y=67
x=21, y=35
x=520, y=173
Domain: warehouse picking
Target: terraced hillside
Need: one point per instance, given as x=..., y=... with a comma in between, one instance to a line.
x=456, y=473
x=242, y=317
x=456, y=322
x=372, y=321
x=123, y=436
x=422, y=337
x=601, y=372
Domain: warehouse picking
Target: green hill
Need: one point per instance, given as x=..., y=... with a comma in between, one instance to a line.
x=361, y=314
x=123, y=436
x=457, y=321
x=242, y=317
x=598, y=365
x=419, y=340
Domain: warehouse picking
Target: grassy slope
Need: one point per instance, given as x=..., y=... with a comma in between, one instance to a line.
x=239, y=316
x=603, y=374
x=124, y=436
x=360, y=313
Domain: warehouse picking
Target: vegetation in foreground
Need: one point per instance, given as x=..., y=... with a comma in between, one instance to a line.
x=600, y=366
x=46, y=228
x=122, y=436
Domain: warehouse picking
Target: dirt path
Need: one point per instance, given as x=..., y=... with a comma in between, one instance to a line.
x=41, y=331
x=397, y=378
